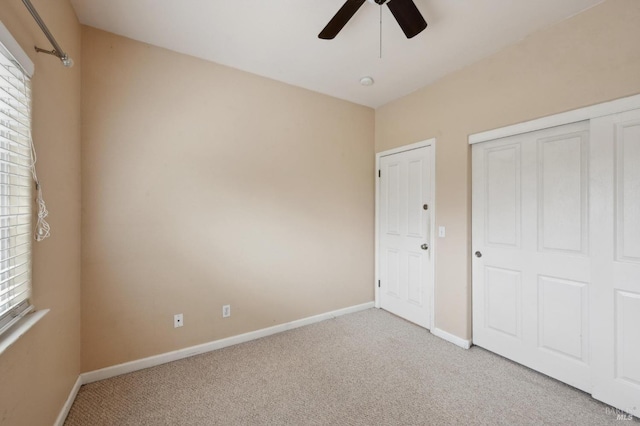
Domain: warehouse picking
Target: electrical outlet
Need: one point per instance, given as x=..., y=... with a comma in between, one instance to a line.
x=178, y=321
x=226, y=311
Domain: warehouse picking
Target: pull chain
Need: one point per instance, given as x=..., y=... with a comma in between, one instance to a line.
x=380, y=31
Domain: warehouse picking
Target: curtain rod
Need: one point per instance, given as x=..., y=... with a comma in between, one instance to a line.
x=57, y=50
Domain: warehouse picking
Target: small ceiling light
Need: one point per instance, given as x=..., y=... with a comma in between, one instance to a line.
x=367, y=81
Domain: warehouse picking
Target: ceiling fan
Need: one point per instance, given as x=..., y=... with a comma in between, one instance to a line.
x=405, y=12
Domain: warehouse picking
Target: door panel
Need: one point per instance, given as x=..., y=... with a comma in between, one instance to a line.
x=503, y=301
x=414, y=279
x=628, y=190
x=562, y=193
x=562, y=317
x=391, y=206
x=415, y=216
x=503, y=195
x=627, y=337
x=530, y=223
x=405, y=267
x=615, y=224
x=392, y=275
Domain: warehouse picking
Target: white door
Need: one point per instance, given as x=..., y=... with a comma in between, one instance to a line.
x=404, y=217
x=531, y=260
x=615, y=221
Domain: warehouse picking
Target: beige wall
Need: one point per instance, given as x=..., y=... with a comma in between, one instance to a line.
x=39, y=370
x=203, y=186
x=591, y=58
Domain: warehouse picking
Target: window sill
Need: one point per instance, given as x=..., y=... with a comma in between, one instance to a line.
x=12, y=335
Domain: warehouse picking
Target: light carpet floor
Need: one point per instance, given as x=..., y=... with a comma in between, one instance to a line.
x=367, y=368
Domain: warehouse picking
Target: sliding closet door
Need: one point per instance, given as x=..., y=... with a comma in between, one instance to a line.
x=531, y=256
x=615, y=221
x=556, y=242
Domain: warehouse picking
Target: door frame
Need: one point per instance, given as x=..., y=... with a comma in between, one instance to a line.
x=432, y=240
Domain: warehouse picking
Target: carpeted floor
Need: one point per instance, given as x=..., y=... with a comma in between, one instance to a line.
x=368, y=368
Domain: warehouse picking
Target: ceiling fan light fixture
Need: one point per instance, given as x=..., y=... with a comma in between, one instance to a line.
x=367, y=81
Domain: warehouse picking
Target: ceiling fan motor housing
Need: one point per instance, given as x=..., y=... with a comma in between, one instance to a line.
x=380, y=2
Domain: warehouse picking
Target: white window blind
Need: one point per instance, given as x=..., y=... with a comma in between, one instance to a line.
x=16, y=205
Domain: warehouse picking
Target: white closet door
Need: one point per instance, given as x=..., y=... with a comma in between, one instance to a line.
x=615, y=221
x=531, y=263
x=405, y=190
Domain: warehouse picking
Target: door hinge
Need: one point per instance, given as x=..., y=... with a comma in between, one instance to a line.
x=378, y=283
x=379, y=174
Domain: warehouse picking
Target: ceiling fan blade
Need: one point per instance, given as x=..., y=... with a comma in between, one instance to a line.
x=408, y=17
x=340, y=19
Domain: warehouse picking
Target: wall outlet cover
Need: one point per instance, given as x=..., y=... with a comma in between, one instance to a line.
x=178, y=321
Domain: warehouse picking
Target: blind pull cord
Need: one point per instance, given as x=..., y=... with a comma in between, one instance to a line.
x=42, y=229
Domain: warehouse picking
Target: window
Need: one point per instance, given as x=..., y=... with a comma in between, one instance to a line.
x=16, y=184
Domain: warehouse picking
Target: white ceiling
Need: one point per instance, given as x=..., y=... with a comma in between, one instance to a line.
x=278, y=38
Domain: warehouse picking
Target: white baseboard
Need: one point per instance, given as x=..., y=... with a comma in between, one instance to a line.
x=152, y=361
x=67, y=405
x=465, y=344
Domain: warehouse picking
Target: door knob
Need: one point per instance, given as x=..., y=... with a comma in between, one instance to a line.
x=478, y=254
x=425, y=247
